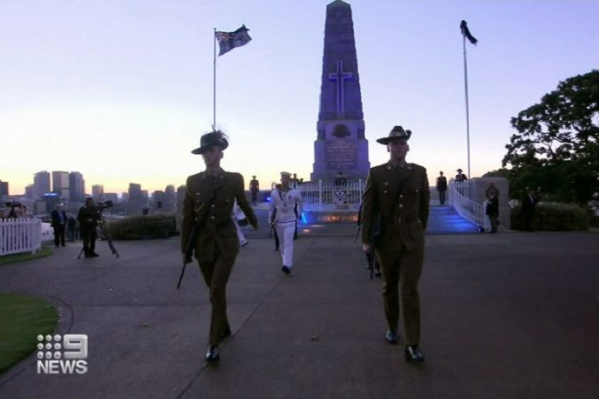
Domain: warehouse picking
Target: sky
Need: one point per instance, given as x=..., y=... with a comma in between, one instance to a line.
x=122, y=90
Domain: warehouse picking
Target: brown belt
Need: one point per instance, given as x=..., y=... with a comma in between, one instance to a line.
x=214, y=226
x=405, y=220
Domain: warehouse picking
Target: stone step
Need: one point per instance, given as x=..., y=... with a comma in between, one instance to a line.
x=442, y=220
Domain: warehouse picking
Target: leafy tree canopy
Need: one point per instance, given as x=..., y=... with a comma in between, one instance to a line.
x=557, y=144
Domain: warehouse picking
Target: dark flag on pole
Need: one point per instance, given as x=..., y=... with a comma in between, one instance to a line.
x=466, y=32
x=227, y=41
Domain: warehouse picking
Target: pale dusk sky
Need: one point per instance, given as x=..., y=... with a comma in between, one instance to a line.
x=121, y=90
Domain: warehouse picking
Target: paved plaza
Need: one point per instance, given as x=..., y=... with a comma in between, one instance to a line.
x=515, y=315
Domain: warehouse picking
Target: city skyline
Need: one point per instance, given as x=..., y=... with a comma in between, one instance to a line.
x=76, y=189
x=122, y=90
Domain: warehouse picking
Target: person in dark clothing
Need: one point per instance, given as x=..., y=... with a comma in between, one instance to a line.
x=441, y=187
x=529, y=204
x=72, y=228
x=254, y=189
x=88, y=218
x=492, y=210
x=59, y=223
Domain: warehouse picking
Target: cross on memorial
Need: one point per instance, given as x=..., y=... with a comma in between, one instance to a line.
x=340, y=76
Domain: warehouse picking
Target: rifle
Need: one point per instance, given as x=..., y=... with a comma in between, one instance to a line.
x=189, y=250
x=193, y=238
x=374, y=236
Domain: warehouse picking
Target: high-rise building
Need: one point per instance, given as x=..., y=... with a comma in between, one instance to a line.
x=60, y=184
x=30, y=191
x=51, y=199
x=98, y=192
x=76, y=187
x=41, y=184
x=158, y=198
x=3, y=188
x=136, y=199
x=170, y=198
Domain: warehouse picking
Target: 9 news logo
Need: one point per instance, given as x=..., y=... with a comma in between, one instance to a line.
x=62, y=354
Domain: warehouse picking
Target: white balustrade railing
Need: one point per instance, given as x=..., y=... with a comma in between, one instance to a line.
x=20, y=235
x=318, y=194
x=465, y=207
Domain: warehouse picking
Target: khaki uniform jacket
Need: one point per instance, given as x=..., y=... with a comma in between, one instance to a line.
x=395, y=207
x=210, y=201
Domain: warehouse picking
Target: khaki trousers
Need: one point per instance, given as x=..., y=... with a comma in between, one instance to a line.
x=216, y=275
x=402, y=269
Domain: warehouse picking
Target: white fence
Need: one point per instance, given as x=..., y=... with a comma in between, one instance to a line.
x=466, y=208
x=20, y=235
x=319, y=194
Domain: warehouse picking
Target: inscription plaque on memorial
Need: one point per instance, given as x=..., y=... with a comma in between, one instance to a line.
x=341, y=154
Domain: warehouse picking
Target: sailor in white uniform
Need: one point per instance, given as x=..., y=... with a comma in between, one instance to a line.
x=285, y=209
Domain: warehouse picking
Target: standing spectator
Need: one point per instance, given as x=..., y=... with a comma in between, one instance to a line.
x=491, y=191
x=460, y=176
x=492, y=210
x=72, y=228
x=88, y=221
x=294, y=182
x=59, y=224
x=441, y=187
x=529, y=204
x=254, y=189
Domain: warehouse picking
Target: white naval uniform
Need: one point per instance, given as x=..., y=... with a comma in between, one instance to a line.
x=286, y=204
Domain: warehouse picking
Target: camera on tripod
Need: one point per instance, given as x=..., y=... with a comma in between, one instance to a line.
x=103, y=205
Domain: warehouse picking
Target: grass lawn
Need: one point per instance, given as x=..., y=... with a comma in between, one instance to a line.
x=23, y=319
x=45, y=251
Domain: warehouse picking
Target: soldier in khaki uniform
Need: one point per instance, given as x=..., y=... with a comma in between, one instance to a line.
x=395, y=208
x=208, y=204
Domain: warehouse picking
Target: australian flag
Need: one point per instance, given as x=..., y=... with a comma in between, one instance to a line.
x=466, y=32
x=227, y=41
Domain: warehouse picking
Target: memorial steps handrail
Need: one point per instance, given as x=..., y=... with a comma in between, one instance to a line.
x=20, y=235
x=466, y=208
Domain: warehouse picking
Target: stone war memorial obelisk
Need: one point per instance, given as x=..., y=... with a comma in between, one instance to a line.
x=340, y=145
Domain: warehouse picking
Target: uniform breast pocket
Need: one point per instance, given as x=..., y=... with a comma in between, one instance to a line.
x=384, y=196
x=226, y=198
x=413, y=193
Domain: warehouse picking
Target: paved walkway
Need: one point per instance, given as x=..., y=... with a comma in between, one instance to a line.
x=505, y=316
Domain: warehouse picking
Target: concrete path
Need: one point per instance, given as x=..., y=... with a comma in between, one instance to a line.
x=504, y=316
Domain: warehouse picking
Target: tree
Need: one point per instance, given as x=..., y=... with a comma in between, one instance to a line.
x=557, y=144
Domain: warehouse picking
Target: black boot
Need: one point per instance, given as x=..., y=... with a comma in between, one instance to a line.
x=212, y=354
x=391, y=337
x=413, y=354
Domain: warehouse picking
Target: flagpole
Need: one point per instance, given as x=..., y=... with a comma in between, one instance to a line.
x=467, y=107
x=214, y=87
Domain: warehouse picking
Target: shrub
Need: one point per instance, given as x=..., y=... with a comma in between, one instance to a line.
x=142, y=227
x=553, y=216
